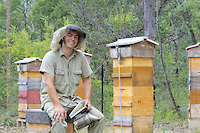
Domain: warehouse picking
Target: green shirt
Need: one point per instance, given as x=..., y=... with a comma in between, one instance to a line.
x=66, y=72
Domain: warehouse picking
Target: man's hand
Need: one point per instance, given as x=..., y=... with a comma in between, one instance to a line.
x=59, y=112
x=87, y=103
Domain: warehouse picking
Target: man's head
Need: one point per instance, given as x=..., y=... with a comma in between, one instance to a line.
x=70, y=40
x=58, y=37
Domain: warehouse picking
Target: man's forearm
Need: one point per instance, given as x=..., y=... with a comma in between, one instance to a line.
x=87, y=88
x=53, y=95
x=51, y=90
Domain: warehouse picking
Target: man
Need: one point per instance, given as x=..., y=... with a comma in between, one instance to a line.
x=62, y=68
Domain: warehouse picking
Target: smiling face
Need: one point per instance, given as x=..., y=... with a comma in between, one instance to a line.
x=70, y=40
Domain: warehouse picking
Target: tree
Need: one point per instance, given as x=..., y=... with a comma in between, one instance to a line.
x=149, y=18
x=8, y=71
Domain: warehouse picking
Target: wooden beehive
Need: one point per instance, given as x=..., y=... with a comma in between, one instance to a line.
x=29, y=83
x=80, y=92
x=136, y=74
x=193, y=53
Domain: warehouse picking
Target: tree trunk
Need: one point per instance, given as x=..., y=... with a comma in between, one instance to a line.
x=176, y=52
x=149, y=18
x=8, y=70
x=186, y=18
x=163, y=65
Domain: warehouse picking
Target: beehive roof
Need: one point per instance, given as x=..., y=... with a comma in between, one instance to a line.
x=196, y=45
x=128, y=41
x=28, y=60
x=87, y=54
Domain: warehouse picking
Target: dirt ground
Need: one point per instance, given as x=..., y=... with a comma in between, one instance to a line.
x=164, y=127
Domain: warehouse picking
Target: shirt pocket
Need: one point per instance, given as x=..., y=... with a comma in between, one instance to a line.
x=59, y=76
x=77, y=76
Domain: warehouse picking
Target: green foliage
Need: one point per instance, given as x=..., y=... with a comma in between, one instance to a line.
x=34, y=21
x=8, y=116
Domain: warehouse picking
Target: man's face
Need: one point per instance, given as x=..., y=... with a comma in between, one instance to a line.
x=71, y=39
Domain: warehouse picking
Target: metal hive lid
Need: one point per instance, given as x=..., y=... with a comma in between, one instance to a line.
x=27, y=60
x=128, y=41
x=196, y=45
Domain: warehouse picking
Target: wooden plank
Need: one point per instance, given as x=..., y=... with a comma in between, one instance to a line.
x=70, y=128
x=194, y=80
x=195, y=111
x=37, y=116
x=194, y=52
x=21, y=114
x=34, y=84
x=142, y=76
x=22, y=101
x=31, y=66
x=23, y=67
x=34, y=65
x=33, y=97
x=194, y=97
x=22, y=107
x=125, y=91
x=194, y=64
x=142, y=62
x=124, y=52
x=21, y=123
x=125, y=110
x=22, y=94
x=143, y=124
x=125, y=62
x=30, y=75
x=122, y=69
x=22, y=81
x=38, y=127
x=123, y=99
x=134, y=62
x=23, y=87
x=143, y=91
x=143, y=106
x=126, y=129
x=124, y=82
x=34, y=106
x=122, y=75
x=80, y=91
x=143, y=49
x=123, y=104
x=126, y=120
x=194, y=124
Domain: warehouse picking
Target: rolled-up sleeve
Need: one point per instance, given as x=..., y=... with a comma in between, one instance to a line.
x=48, y=64
x=87, y=71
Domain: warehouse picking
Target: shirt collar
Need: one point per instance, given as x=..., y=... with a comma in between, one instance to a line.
x=62, y=53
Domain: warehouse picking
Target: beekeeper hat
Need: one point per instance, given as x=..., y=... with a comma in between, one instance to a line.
x=61, y=32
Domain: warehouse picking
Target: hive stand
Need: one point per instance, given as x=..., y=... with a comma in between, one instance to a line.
x=136, y=73
x=193, y=53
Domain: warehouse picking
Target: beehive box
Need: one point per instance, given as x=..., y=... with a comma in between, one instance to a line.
x=193, y=53
x=38, y=121
x=136, y=74
x=80, y=88
x=29, y=82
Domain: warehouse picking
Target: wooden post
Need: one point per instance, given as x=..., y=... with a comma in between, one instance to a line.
x=136, y=84
x=194, y=85
x=29, y=83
